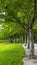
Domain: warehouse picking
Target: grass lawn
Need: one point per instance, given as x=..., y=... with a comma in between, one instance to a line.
x=11, y=54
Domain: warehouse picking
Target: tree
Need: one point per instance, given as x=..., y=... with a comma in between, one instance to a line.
x=30, y=28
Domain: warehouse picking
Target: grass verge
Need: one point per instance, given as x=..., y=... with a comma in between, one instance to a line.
x=11, y=54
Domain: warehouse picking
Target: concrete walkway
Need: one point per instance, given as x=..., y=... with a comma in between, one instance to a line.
x=27, y=60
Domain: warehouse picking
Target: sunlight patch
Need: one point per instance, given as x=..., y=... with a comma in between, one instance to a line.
x=1, y=27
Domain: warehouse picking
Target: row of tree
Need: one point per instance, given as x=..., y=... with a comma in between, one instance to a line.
x=22, y=12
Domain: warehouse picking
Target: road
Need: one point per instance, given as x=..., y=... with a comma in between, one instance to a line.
x=27, y=60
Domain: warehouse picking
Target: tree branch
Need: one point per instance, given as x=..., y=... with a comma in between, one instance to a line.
x=34, y=16
x=17, y=21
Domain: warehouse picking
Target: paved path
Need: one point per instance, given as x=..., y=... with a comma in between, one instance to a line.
x=27, y=60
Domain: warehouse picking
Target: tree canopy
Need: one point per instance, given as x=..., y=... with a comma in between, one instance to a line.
x=18, y=15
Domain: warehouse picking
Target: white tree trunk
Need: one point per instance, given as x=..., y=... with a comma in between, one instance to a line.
x=25, y=39
x=28, y=39
x=31, y=43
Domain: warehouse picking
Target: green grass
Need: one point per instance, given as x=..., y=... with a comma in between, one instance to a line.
x=11, y=54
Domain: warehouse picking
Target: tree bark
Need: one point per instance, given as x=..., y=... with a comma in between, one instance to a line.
x=34, y=37
x=25, y=39
x=31, y=42
x=28, y=38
